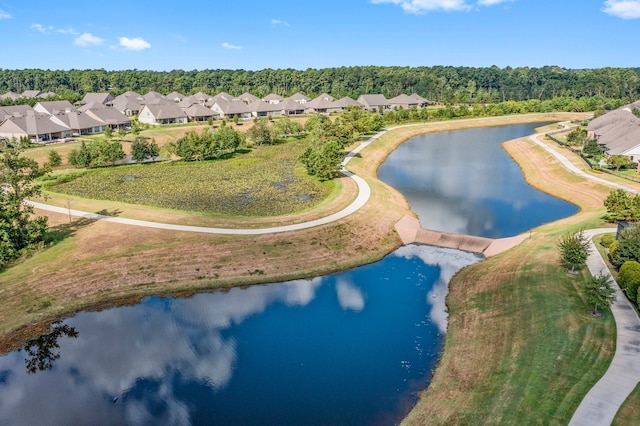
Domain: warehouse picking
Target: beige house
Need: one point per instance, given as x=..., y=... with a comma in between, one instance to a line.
x=39, y=128
x=159, y=113
x=374, y=102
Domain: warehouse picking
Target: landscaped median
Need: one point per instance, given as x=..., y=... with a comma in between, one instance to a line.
x=521, y=347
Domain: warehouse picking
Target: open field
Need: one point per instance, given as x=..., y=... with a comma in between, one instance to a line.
x=545, y=351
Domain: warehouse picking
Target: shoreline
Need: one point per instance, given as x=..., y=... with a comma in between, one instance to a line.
x=385, y=200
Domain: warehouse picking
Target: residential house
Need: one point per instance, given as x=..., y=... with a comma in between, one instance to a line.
x=111, y=117
x=37, y=127
x=9, y=95
x=343, y=103
x=261, y=108
x=162, y=113
x=231, y=109
x=175, y=96
x=273, y=99
x=320, y=105
x=128, y=106
x=52, y=107
x=197, y=112
x=80, y=123
x=248, y=98
x=374, y=102
x=422, y=102
x=618, y=132
x=30, y=94
x=151, y=95
x=15, y=110
x=404, y=102
x=291, y=107
x=302, y=99
x=101, y=98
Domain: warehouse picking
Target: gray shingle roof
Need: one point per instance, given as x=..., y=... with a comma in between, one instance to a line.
x=165, y=111
x=102, y=98
x=109, y=115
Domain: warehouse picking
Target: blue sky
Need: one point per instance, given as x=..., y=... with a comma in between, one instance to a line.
x=259, y=34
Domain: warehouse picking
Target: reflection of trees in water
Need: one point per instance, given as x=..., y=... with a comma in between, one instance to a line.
x=42, y=352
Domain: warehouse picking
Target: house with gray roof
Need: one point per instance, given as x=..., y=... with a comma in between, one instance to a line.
x=343, y=103
x=422, y=102
x=262, y=108
x=80, y=123
x=301, y=99
x=231, y=109
x=175, y=96
x=248, y=98
x=404, y=102
x=52, y=107
x=111, y=117
x=10, y=95
x=291, y=107
x=197, y=112
x=30, y=94
x=618, y=131
x=272, y=98
x=320, y=105
x=15, y=110
x=374, y=102
x=162, y=113
x=37, y=127
x=101, y=98
x=128, y=106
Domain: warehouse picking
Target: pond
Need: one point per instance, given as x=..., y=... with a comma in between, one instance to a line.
x=348, y=348
x=464, y=182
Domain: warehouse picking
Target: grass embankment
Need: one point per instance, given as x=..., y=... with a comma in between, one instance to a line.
x=520, y=347
x=629, y=412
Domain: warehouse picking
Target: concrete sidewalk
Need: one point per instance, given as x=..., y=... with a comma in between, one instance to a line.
x=600, y=405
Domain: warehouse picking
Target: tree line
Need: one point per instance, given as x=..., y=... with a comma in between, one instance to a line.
x=446, y=84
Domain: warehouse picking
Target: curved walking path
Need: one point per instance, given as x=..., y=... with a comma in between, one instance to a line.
x=600, y=405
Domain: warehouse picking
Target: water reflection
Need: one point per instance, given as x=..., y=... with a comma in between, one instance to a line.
x=464, y=182
x=44, y=350
x=361, y=342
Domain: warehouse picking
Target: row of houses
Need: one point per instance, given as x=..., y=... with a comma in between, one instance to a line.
x=50, y=121
x=27, y=94
x=618, y=131
x=54, y=120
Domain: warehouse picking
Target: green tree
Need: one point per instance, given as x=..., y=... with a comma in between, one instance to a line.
x=323, y=159
x=108, y=133
x=260, y=133
x=618, y=161
x=592, y=148
x=143, y=149
x=574, y=250
x=19, y=230
x=54, y=159
x=577, y=137
x=622, y=206
x=627, y=247
x=599, y=291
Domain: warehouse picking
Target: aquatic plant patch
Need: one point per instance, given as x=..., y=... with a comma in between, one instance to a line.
x=263, y=182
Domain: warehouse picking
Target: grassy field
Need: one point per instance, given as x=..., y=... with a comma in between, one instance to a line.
x=267, y=181
x=521, y=348
x=629, y=413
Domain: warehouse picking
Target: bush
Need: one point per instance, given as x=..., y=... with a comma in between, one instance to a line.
x=607, y=239
x=628, y=247
x=613, y=248
x=629, y=278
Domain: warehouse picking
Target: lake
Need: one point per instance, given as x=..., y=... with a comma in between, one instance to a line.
x=464, y=182
x=344, y=349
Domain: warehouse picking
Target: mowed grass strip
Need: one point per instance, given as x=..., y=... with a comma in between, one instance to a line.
x=629, y=412
x=268, y=181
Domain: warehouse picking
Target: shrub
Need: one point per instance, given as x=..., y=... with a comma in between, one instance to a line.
x=629, y=278
x=628, y=247
x=574, y=250
x=607, y=239
x=613, y=248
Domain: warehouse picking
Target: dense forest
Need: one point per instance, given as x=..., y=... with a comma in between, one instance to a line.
x=444, y=84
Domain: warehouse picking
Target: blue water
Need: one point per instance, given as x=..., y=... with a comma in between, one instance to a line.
x=464, y=182
x=350, y=348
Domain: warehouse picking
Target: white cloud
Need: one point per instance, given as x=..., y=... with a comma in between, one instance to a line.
x=279, y=22
x=625, y=9
x=422, y=6
x=5, y=15
x=88, y=39
x=349, y=296
x=135, y=43
x=41, y=28
x=230, y=46
x=67, y=31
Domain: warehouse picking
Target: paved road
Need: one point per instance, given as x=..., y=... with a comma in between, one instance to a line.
x=600, y=405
